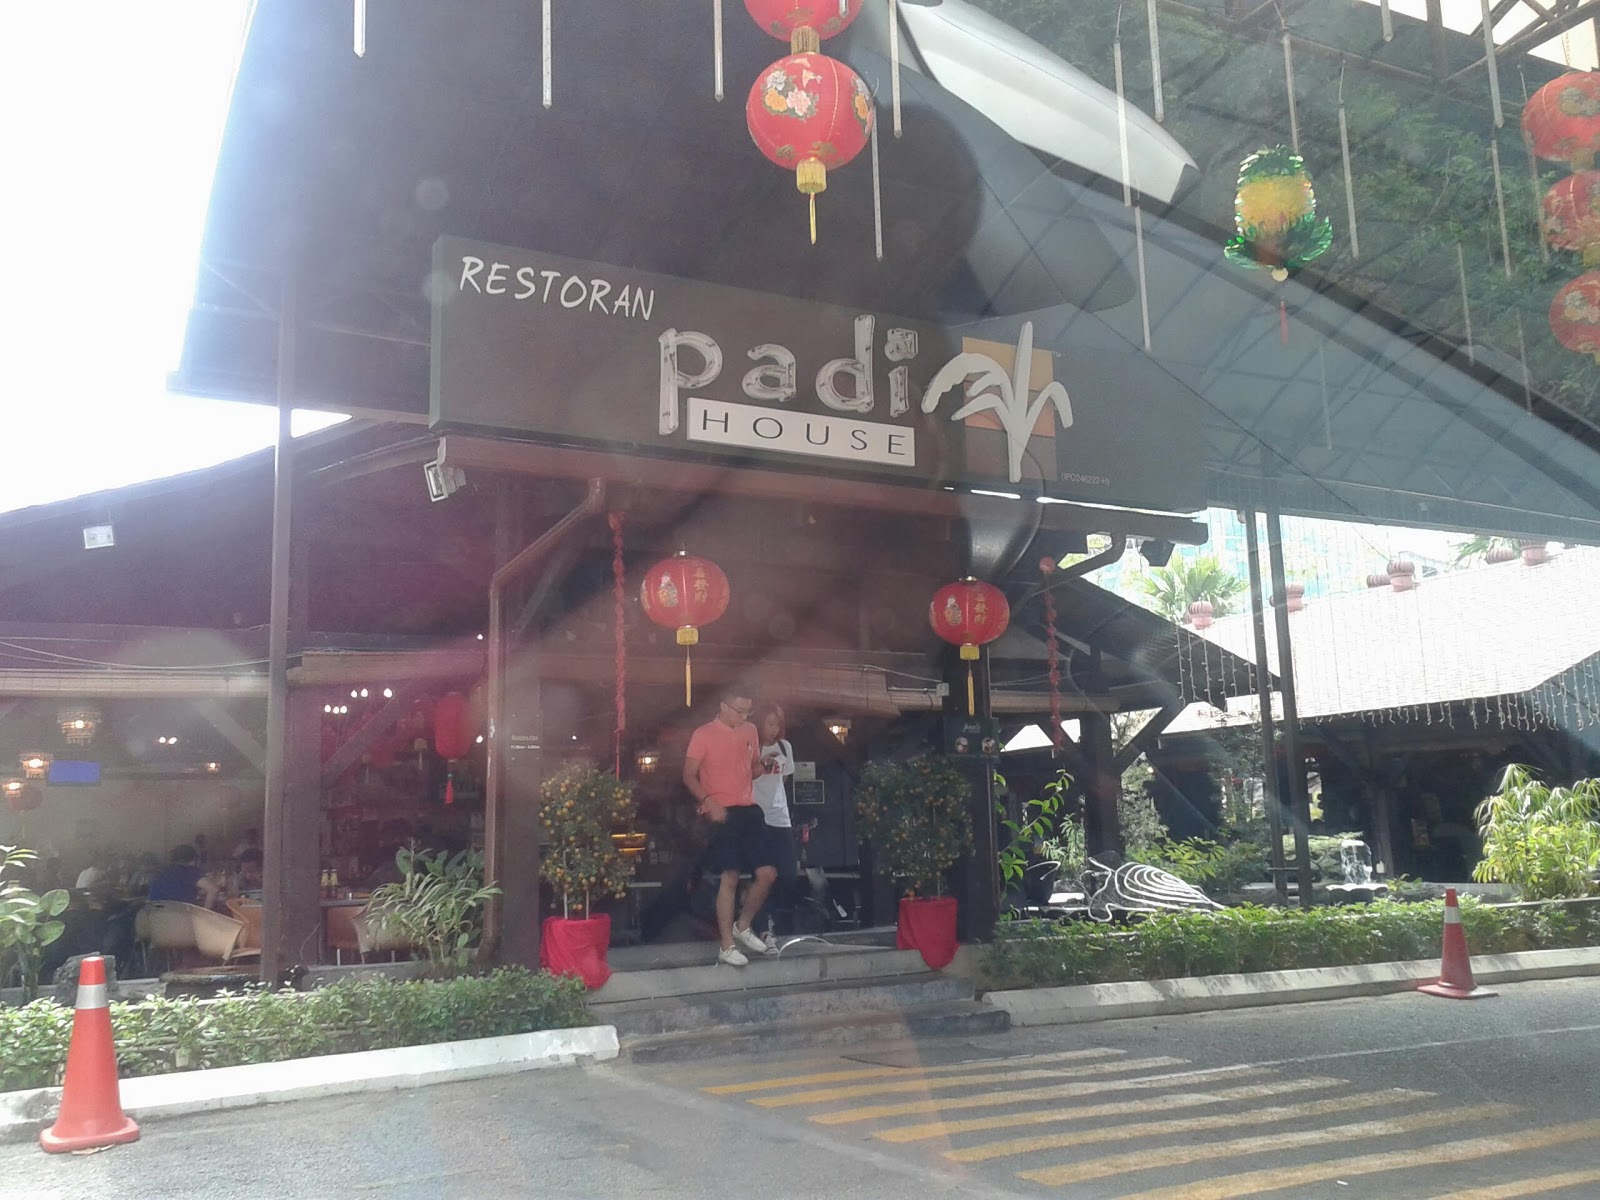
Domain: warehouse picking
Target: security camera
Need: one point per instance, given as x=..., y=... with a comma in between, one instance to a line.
x=443, y=481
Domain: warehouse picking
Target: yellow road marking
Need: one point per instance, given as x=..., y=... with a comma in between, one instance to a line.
x=1122, y=1108
x=1227, y=1120
x=764, y=1085
x=1525, y=1187
x=933, y=1104
x=923, y=1084
x=1172, y=1156
x=1253, y=1183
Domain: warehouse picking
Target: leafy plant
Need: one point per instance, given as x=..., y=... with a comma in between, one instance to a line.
x=1175, y=587
x=580, y=809
x=915, y=814
x=373, y=1013
x=437, y=905
x=29, y=922
x=1479, y=545
x=1252, y=938
x=1544, y=841
x=1222, y=866
x=1029, y=834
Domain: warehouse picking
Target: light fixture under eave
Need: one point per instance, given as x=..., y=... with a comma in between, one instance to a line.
x=212, y=768
x=36, y=764
x=838, y=726
x=78, y=725
x=648, y=761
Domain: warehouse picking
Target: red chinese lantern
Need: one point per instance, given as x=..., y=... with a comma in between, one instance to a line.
x=683, y=593
x=807, y=113
x=1575, y=314
x=1572, y=215
x=969, y=614
x=803, y=23
x=452, y=736
x=1562, y=119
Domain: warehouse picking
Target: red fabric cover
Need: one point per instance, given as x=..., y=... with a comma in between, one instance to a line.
x=576, y=946
x=928, y=926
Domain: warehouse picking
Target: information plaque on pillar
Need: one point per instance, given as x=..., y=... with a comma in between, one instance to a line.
x=972, y=737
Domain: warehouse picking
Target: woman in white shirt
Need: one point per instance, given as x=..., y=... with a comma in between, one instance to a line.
x=771, y=794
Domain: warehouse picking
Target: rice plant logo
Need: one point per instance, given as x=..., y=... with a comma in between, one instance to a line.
x=1007, y=396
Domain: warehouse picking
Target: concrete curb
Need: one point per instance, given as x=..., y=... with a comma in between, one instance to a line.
x=1165, y=997
x=23, y=1114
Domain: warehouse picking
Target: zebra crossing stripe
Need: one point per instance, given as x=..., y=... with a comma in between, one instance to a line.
x=1526, y=1187
x=1271, y=1179
x=1121, y=1108
x=1172, y=1156
x=933, y=1104
x=864, y=1073
x=923, y=1084
x=1228, y=1120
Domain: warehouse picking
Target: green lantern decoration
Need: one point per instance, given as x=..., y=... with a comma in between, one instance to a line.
x=1275, y=214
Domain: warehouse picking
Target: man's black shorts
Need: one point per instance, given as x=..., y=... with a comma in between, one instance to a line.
x=740, y=843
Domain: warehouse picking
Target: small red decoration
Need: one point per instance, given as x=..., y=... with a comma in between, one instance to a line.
x=807, y=113
x=1562, y=119
x=1572, y=215
x=803, y=23
x=683, y=593
x=969, y=614
x=452, y=736
x=1575, y=314
x=576, y=946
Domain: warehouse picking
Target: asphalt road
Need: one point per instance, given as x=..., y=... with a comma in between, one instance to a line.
x=1394, y=1097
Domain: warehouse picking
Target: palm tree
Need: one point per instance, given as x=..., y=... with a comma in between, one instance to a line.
x=1004, y=395
x=1174, y=588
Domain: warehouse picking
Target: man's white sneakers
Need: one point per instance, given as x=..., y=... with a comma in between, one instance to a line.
x=733, y=957
x=748, y=939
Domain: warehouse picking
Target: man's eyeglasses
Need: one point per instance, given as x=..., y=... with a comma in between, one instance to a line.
x=742, y=709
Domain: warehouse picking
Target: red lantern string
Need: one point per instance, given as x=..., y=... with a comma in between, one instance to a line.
x=615, y=520
x=1047, y=566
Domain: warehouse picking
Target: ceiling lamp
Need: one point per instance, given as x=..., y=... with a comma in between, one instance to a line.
x=78, y=725
x=648, y=761
x=838, y=726
x=36, y=764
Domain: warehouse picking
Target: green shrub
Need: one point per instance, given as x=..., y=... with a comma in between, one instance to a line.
x=1209, y=865
x=917, y=817
x=156, y=1036
x=437, y=905
x=1251, y=938
x=1544, y=841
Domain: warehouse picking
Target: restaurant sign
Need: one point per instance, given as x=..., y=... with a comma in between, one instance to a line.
x=564, y=352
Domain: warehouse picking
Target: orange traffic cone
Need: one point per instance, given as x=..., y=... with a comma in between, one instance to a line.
x=91, y=1114
x=1455, y=971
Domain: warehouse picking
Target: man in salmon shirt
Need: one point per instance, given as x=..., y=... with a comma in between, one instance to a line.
x=724, y=756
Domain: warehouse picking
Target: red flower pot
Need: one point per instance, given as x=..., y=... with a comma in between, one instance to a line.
x=576, y=946
x=929, y=927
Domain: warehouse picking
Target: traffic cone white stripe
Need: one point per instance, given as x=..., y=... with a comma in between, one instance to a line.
x=91, y=995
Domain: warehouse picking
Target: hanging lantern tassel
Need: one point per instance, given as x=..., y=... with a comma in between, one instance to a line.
x=688, y=636
x=544, y=26
x=811, y=177
x=361, y=28
x=969, y=655
x=617, y=617
x=450, y=785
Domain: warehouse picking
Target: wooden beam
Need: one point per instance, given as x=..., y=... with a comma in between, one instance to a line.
x=1141, y=742
x=237, y=736
x=374, y=727
x=701, y=479
x=331, y=668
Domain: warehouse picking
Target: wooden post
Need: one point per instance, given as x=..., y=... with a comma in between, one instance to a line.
x=1269, y=753
x=1299, y=798
x=1102, y=824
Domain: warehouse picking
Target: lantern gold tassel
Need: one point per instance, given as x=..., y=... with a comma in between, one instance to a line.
x=804, y=40
x=811, y=177
x=969, y=652
x=688, y=636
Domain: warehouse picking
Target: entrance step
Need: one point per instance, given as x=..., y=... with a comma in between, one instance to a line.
x=954, y=1018
x=690, y=969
